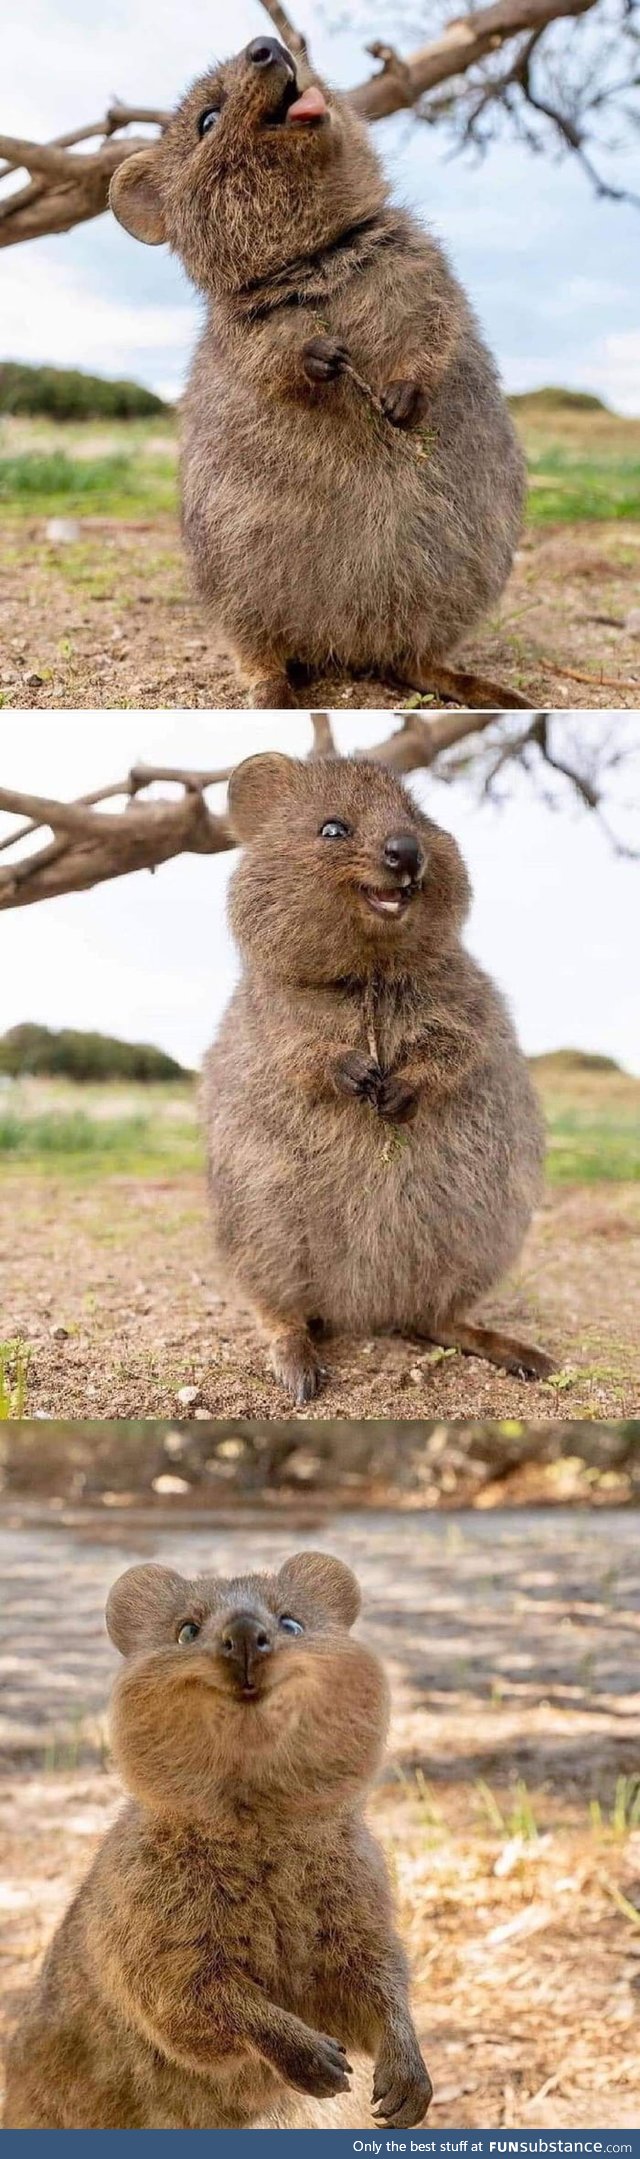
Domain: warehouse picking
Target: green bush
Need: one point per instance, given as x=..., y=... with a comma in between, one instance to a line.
x=68, y=1054
x=555, y=399
x=66, y=393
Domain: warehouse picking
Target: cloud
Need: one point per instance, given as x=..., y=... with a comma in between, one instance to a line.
x=616, y=369
x=75, y=324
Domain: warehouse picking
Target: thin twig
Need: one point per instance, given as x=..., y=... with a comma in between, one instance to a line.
x=596, y=682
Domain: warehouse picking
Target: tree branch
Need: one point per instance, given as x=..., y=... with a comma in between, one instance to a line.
x=91, y=846
x=65, y=189
x=464, y=41
x=418, y=742
x=282, y=23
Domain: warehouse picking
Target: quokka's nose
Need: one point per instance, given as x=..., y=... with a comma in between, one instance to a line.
x=245, y=1643
x=267, y=51
x=402, y=853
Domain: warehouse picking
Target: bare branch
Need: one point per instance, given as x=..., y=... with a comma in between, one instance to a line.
x=281, y=22
x=419, y=741
x=464, y=41
x=539, y=733
x=90, y=848
x=146, y=776
x=323, y=736
x=65, y=191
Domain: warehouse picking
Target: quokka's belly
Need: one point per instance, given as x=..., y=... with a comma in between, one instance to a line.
x=424, y=1229
x=326, y=551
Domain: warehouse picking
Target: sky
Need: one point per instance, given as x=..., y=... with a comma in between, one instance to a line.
x=548, y=265
x=149, y=958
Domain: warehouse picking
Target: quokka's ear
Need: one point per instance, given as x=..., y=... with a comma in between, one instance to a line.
x=257, y=787
x=135, y=198
x=325, y=1583
x=142, y=1606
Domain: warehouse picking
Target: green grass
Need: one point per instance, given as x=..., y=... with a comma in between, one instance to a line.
x=518, y=1820
x=583, y=1148
x=121, y=1128
x=76, y=1142
x=583, y=462
x=120, y=485
x=14, y=1372
x=564, y=486
x=624, y=1814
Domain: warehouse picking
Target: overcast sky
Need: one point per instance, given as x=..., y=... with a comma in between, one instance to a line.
x=554, y=917
x=547, y=264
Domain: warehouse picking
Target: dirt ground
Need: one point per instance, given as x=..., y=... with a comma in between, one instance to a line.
x=508, y=1809
x=109, y=1289
x=108, y=621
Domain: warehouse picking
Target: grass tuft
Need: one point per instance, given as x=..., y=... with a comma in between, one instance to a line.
x=14, y=1372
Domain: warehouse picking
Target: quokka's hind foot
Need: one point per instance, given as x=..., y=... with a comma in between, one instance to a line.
x=265, y=677
x=477, y=692
x=271, y=693
x=294, y=1361
x=519, y=1358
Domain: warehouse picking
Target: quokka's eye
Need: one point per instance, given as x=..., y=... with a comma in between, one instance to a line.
x=188, y=1633
x=335, y=829
x=290, y=1625
x=208, y=120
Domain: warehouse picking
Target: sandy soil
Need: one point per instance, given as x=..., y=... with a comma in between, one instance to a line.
x=108, y=622
x=510, y=1644
x=109, y=1286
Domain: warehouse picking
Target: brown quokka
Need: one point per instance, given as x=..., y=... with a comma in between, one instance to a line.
x=324, y=526
x=374, y=1140
x=235, y=1933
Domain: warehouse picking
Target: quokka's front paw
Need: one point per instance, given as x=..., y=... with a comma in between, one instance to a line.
x=324, y=358
x=403, y=403
x=396, y=1100
x=318, y=2064
x=402, y=2087
x=357, y=1076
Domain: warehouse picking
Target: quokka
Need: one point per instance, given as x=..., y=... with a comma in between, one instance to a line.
x=374, y=1141
x=324, y=525
x=235, y=1933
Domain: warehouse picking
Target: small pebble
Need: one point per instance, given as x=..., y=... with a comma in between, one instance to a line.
x=62, y=530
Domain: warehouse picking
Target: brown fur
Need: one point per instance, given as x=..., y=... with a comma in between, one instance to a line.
x=374, y=1141
x=234, y=1935
x=314, y=532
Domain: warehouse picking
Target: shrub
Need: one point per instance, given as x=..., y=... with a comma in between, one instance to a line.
x=66, y=393
x=66, y=1053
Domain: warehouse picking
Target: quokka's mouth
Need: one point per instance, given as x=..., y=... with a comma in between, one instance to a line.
x=299, y=108
x=383, y=901
x=309, y=110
